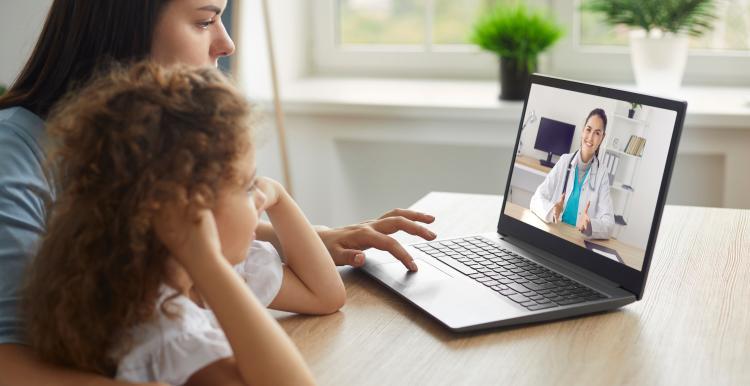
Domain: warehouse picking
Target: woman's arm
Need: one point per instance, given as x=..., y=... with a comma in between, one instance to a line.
x=603, y=221
x=20, y=366
x=311, y=283
x=545, y=199
x=263, y=353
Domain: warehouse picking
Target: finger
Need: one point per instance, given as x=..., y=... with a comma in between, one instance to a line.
x=392, y=225
x=386, y=243
x=588, y=204
x=410, y=214
x=353, y=257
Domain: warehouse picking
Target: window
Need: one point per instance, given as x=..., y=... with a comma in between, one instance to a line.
x=424, y=24
x=398, y=37
x=731, y=30
x=595, y=51
x=414, y=38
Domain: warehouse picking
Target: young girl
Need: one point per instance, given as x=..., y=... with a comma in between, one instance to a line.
x=159, y=201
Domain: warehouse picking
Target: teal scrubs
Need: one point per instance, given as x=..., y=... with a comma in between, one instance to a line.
x=570, y=215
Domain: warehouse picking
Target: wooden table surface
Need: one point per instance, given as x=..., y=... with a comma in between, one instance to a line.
x=692, y=326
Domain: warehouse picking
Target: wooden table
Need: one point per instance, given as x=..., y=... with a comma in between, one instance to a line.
x=532, y=163
x=692, y=327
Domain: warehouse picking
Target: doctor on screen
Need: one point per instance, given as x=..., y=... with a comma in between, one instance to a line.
x=576, y=191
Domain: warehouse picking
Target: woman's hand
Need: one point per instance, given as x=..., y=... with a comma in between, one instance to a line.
x=346, y=244
x=189, y=235
x=558, y=209
x=584, y=222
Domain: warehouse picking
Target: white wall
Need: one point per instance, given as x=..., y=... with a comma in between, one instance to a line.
x=564, y=106
x=648, y=177
x=22, y=23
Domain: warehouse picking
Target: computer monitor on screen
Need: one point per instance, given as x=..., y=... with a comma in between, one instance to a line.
x=554, y=137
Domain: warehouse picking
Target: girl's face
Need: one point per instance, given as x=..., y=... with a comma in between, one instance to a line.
x=238, y=210
x=592, y=136
x=191, y=32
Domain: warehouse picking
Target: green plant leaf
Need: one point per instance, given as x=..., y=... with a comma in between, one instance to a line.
x=693, y=17
x=514, y=32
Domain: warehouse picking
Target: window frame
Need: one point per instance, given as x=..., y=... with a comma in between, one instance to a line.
x=566, y=59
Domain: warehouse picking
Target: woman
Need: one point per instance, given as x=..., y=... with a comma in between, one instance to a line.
x=80, y=37
x=576, y=191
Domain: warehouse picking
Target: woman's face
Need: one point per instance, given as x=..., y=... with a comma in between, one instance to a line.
x=592, y=136
x=238, y=210
x=191, y=32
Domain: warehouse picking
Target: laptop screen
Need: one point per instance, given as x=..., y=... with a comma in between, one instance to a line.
x=588, y=170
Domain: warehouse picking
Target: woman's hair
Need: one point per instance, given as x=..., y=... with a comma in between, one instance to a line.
x=80, y=37
x=130, y=141
x=601, y=114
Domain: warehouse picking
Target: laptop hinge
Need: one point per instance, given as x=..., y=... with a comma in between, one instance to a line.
x=555, y=261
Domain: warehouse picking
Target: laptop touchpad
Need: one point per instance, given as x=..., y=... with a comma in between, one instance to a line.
x=427, y=273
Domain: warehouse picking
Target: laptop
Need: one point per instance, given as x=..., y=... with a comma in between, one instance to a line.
x=593, y=252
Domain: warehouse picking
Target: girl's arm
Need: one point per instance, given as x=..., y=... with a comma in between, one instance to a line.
x=263, y=353
x=20, y=366
x=311, y=283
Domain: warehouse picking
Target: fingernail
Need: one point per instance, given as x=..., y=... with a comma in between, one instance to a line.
x=433, y=234
x=413, y=266
x=359, y=259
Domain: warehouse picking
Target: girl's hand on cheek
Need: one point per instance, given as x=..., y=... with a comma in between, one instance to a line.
x=271, y=189
x=190, y=236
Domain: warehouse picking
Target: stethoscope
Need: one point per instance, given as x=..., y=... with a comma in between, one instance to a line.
x=591, y=177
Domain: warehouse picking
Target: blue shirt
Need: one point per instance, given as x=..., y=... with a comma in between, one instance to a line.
x=24, y=194
x=570, y=216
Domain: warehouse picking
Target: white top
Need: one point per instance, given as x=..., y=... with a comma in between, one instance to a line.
x=171, y=350
x=595, y=189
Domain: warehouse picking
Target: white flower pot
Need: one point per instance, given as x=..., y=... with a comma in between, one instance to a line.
x=658, y=60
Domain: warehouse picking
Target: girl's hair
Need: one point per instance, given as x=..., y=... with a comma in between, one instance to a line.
x=601, y=114
x=129, y=142
x=79, y=37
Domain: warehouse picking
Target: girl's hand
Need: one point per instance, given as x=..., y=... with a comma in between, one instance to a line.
x=346, y=245
x=271, y=189
x=189, y=235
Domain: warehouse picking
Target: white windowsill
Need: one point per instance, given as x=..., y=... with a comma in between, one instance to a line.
x=712, y=107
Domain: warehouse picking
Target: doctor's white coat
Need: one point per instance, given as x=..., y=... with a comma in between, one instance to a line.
x=595, y=189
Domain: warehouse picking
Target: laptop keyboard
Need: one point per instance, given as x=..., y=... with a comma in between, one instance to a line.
x=509, y=274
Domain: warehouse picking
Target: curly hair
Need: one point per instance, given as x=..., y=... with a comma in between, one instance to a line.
x=131, y=140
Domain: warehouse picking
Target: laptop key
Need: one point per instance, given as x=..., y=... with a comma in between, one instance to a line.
x=517, y=287
x=460, y=267
x=518, y=298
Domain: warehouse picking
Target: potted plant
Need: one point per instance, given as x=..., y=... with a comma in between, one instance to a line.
x=517, y=35
x=658, y=35
x=633, y=106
